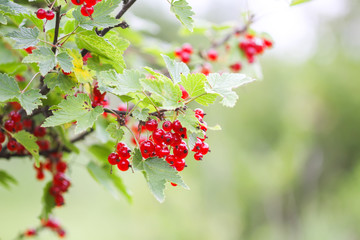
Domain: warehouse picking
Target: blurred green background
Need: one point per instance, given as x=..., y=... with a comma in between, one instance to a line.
x=285, y=166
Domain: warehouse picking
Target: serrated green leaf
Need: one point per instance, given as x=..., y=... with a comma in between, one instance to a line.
x=44, y=57
x=110, y=182
x=9, y=89
x=48, y=202
x=6, y=179
x=142, y=114
x=31, y=99
x=32, y=17
x=101, y=152
x=175, y=68
x=81, y=72
x=110, y=47
x=115, y=131
x=24, y=37
x=3, y=19
x=120, y=84
x=223, y=85
x=11, y=8
x=189, y=121
x=95, y=64
x=184, y=13
x=164, y=89
x=64, y=83
x=157, y=172
x=296, y=2
x=194, y=84
x=137, y=160
x=65, y=61
x=74, y=109
x=192, y=138
x=101, y=17
x=29, y=142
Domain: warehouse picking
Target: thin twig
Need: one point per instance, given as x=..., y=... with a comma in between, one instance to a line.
x=30, y=82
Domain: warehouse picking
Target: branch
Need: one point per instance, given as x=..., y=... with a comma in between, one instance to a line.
x=81, y=136
x=57, y=26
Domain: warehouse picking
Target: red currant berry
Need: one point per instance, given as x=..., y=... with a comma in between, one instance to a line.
x=77, y=2
x=206, y=69
x=151, y=125
x=177, y=52
x=58, y=178
x=173, y=184
x=124, y=153
x=65, y=73
x=18, y=126
x=12, y=145
x=90, y=3
x=15, y=116
x=9, y=125
x=170, y=159
x=2, y=137
x=50, y=15
x=185, y=57
x=176, y=139
x=204, y=148
x=186, y=47
x=59, y=200
x=44, y=145
x=20, y=149
x=1, y=147
x=29, y=50
x=157, y=136
x=40, y=175
x=147, y=147
x=198, y=145
x=268, y=43
x=61, y=166
x=61, y=232
x=200, y=112
x=65, y=184
x=86, y=10
x=236, y=67
x=41, y=13
x=39, y=131
x=163, y=152
x=181, y=151
x=212, y=55
x=167, y=126
x=168, y=138
x=179, y=164
x=119, y=146
x=123, y=165
x=30, y=232
x=184, y=93
x=54, y=190
x=198, y=156
x=113, y=158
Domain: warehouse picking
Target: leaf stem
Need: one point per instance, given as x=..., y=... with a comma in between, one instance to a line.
x=30, y=82
x=192, y=99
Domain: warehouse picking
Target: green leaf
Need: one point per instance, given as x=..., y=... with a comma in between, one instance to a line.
x=65, y=61
x=194, y=84
x=24, y=37
x=189, y=121
x=164, y=89
x=183, y=12
x=137, y=161
x=74, y=109
x=120, y=84
x=30, y=100
x=11, y=8
x=48, y=202
x=110, y=182
x=32, y=17
x=95, y=64
x=44, y=57
x=3, y=19
x=110, y=47
x=101, y=152
x=29, y=142
x=6, y=179
x=9, y=89
x=64, y=83
x=157, y=172
x=142, y=114
x=296, y=2
x=81, y=72
x=192, y=138
x=115, y=131
x=223, y=85
x=101, y=17
x=175, y=68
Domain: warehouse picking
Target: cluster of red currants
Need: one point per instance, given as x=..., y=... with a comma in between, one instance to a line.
x=120, y=157
x=184, y=53
x=57, y=168
x=12, y=124
x=201, y=148
x=42, y=13
x=98, y=98
x=87, y=8
x=52, y=224
x=253, y=46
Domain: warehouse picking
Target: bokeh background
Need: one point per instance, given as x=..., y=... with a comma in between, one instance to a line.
x=285, y=166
